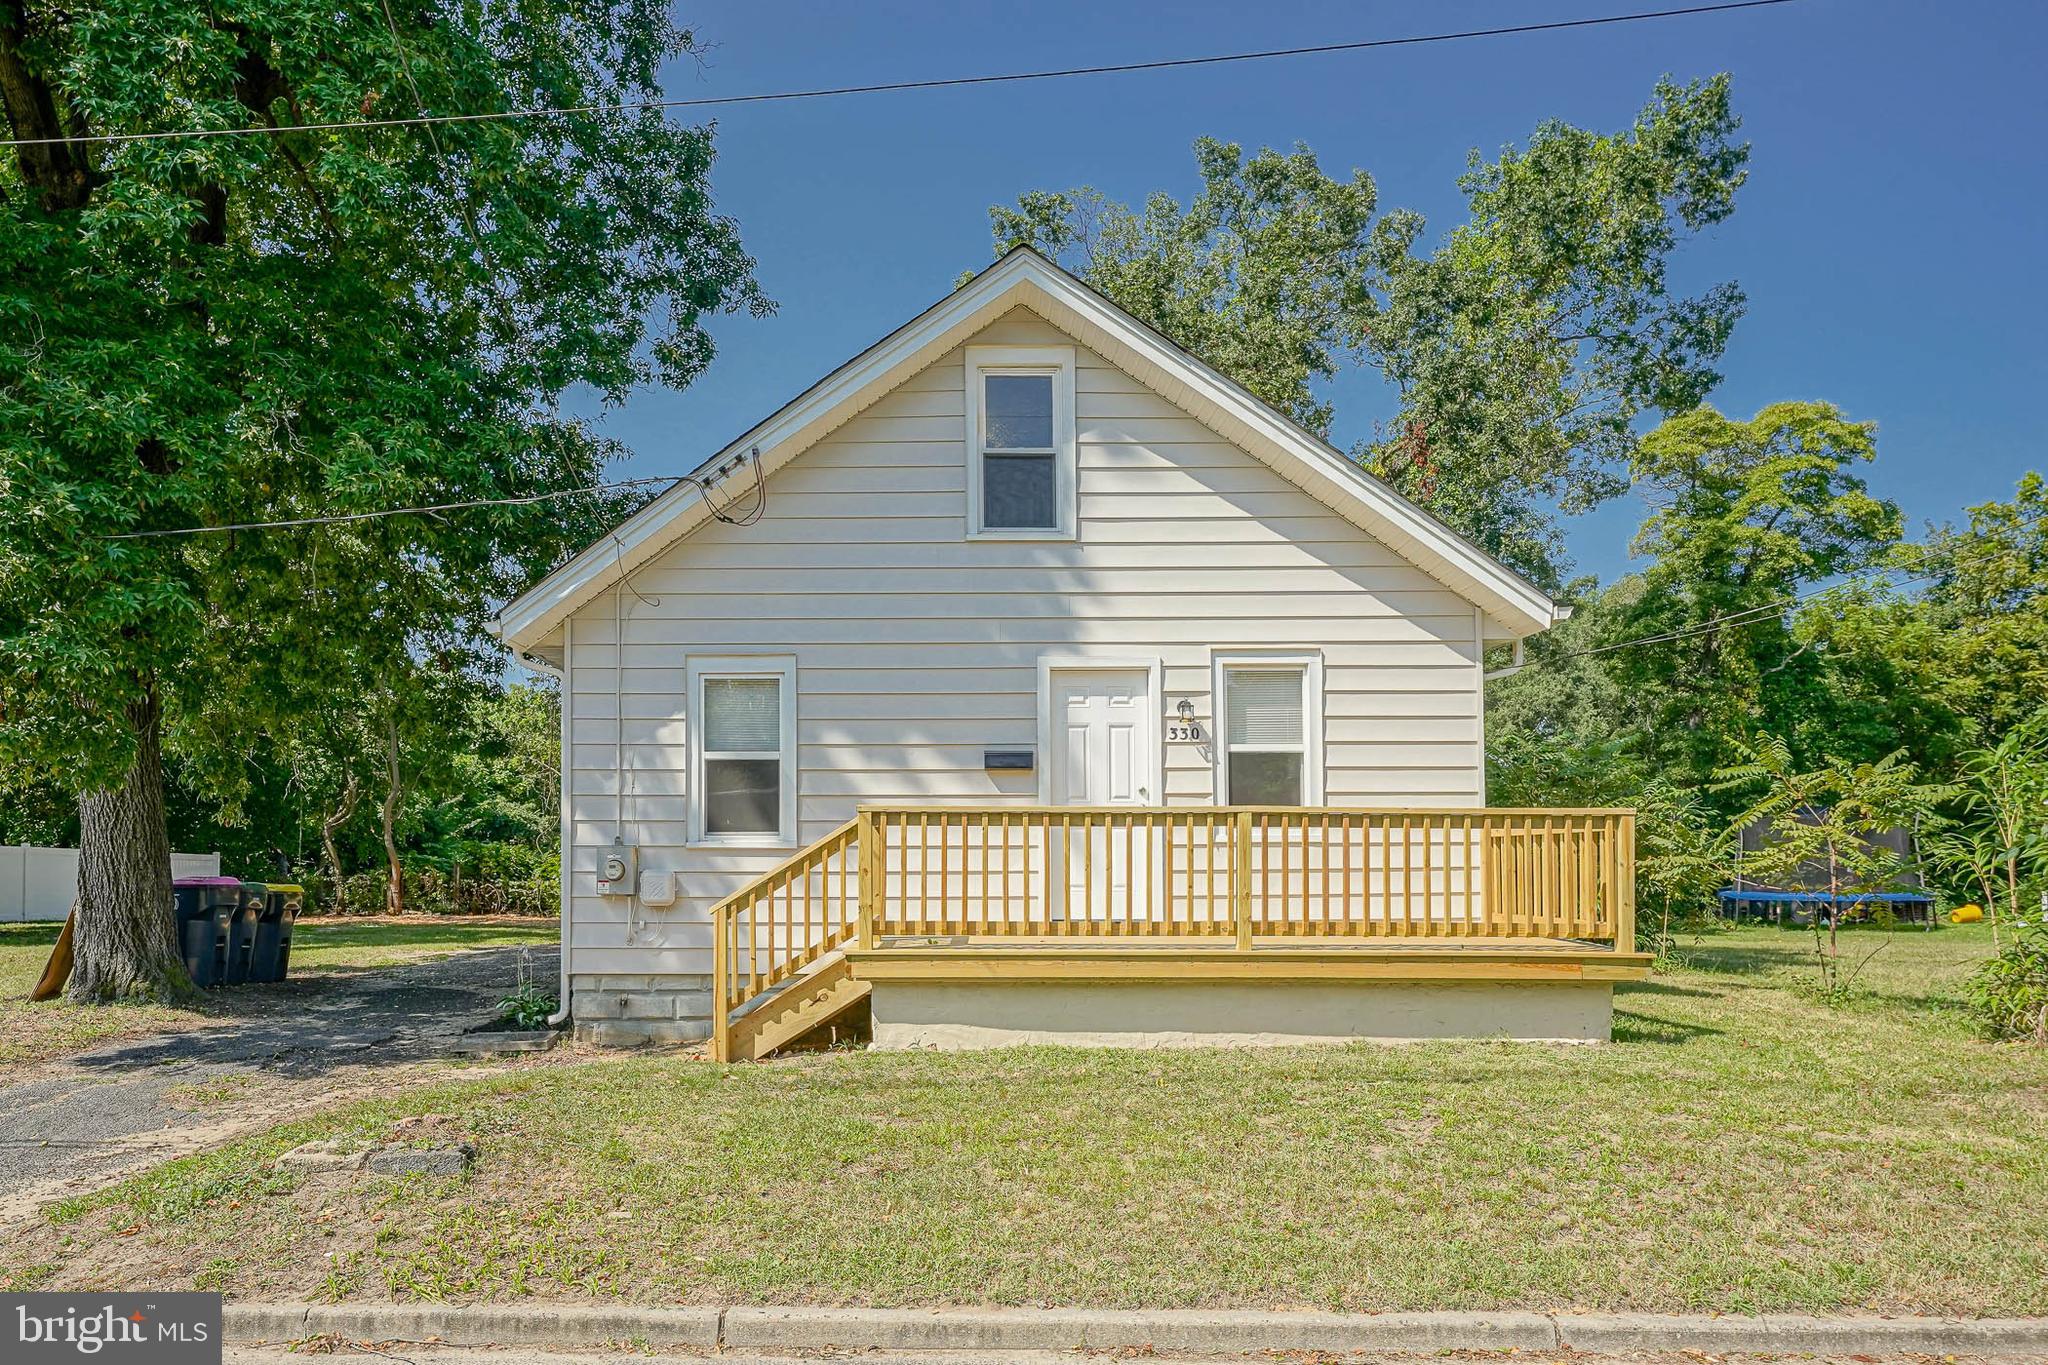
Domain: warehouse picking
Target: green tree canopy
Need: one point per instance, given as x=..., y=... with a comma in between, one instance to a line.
x=1520, y=352
x=1264, y=274
x=1744, y=517
x=1986, y=595
x=1526, y=347
x=204, y=332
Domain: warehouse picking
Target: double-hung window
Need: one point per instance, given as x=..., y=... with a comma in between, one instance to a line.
x=1020, y=442
x=744, y=774
x=1269, y=752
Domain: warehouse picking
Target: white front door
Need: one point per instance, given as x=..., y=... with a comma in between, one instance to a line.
x=1102, y=737
x=1103, y=755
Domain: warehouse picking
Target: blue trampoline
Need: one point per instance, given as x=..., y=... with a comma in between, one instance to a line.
x=1737, y=900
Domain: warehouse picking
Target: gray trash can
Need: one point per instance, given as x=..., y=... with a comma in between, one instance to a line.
x=241, y=937
x=270, y=955
x=205, y=907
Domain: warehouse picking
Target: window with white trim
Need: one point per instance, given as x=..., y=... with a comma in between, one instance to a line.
x=1020, y=441
x=1267, y=751
x=744, y=769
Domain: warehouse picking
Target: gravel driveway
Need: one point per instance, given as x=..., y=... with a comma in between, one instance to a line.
x=78, y=1124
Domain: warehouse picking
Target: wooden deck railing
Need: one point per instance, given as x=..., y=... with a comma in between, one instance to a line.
x=1220, y=876
x=1241, y=874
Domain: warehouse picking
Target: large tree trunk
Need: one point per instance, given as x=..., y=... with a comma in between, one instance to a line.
x=124, y=936
x=394, y=880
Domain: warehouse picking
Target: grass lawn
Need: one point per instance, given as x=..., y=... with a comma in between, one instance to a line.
x=1740, y=1147
x=38, y=1032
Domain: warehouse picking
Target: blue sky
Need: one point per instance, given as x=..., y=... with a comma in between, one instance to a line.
x=1890, y=237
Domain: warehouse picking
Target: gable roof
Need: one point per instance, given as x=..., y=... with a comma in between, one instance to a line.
x=1023, y=278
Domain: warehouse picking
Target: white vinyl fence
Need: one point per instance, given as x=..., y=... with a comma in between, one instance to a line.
x=41, y=883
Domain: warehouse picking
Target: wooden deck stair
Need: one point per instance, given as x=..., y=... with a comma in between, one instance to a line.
x=805, y=1004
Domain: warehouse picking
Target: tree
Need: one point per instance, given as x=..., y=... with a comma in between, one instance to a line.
x=1745, y=516
x=1987, y=602
x=1526, y=347
x=1521, y=351
x=1827, y=816
x=1682, y=859
x=494, y=810
x=1952, y=657
x=252, y=328
x=1265, y=274
x=1560, y=730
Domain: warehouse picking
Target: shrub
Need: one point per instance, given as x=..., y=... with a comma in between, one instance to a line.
x=429, y=891
x=2009, y=994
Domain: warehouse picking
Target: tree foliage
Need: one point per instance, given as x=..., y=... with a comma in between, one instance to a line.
x=241, y=329
x=1745, y=517
x=1265, y=273
x=1985, y=606
x=1521, y=351
x=1827, y=817
x=1528, y=344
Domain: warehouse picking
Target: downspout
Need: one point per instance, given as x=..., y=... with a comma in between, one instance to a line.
x=561, y=676
x=1479, y=694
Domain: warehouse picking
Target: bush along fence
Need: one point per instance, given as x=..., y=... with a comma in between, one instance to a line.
x=430, y=891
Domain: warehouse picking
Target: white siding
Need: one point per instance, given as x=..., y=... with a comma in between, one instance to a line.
x=917, y=648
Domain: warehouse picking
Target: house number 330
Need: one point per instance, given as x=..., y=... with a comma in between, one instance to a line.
x=1183, y=732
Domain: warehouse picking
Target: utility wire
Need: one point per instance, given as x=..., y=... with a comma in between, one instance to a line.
x=755, y=500
x=891, y=87
x=1747, y=616
x=429, y=508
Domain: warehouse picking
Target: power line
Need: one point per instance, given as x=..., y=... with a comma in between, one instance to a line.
x=1747, y=616
x=755, y=499
x=342, y=517
x=891, y=87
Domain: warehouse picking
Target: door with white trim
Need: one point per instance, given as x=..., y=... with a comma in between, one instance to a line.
x=1103, y=750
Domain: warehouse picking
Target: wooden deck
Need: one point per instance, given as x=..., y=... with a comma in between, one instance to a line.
x=1210, y=894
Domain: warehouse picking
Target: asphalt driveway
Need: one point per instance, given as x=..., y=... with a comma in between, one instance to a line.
x=74, y=1125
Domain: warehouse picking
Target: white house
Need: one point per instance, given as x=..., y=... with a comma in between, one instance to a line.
x=1027, y=678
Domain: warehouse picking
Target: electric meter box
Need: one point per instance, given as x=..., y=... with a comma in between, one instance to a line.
x=618, y=870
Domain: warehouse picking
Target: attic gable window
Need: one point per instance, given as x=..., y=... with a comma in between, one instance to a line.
x=1020, y=442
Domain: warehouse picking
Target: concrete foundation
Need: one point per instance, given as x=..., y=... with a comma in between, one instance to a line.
x=960, y=1016
x=635, y=1010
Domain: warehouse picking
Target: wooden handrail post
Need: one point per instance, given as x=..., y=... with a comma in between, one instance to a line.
x=1625, y=888
x=1241, y=882
x=869, y=863
x=721, y=988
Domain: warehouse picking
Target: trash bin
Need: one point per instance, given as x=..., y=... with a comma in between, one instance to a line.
x=205, y=907
x=271, y=953
x=241, y=937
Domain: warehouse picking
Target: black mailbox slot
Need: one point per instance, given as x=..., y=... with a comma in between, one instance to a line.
x=1007, y=759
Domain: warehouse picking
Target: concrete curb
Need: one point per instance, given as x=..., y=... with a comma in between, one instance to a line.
x=1187, y=1332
